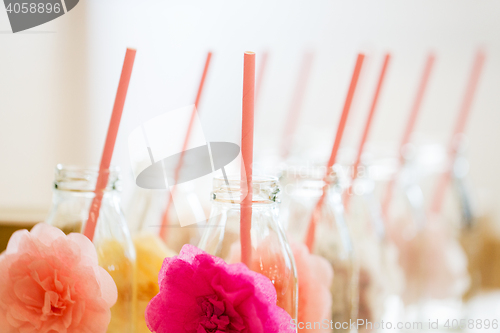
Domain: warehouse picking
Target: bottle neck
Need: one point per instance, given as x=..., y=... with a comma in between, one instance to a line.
x=84, y=179
x=231, y=192
x=73, y=193
x=311, y=182
x=108, y=196
x=77, y=184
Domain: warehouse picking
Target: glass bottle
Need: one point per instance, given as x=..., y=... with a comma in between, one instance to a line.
x=480, y=239
x=303, y=188
x=433, y=262
x=478, y=235
x=144, y=216
x=72, y=196
x=381, y=277
x=271, y=253
x=145, y=212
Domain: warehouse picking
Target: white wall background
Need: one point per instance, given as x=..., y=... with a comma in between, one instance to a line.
x=57, y=89
x=43, y=110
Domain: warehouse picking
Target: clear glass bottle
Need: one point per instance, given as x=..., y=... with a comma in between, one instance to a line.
x=271, y=253
x=480, y=239
x=72, y=196
x=381, y=277
x=144, y=216
x=303, y=188
x=145, y=211
x=467, y=216
x=433, y=262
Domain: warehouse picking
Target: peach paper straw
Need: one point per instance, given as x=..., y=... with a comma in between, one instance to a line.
x=247, y=126
x=107, y=154
x=164, y=220
x=367, y=126
x=338, y=138
x=295, y=107
x=409, y=130
x=459, y=128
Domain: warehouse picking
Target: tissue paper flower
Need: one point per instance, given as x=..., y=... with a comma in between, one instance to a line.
x=50, y=282
x=315, y=279
x=201, y=293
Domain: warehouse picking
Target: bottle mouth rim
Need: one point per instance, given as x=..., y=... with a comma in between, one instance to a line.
x=89, y=168
x=80, y=178
x=319, y=173
x=256, y=179
x=265, y=189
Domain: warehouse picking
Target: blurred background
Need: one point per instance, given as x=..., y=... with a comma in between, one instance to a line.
x=58, y=82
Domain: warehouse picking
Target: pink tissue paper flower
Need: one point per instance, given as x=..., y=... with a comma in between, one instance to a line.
x=315, y=279
x=202, y=293
x=51, y=283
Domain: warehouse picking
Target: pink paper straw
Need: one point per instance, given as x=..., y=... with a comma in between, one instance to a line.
x=296, y=106
x=164, y=220
x=463, y=116
x=247, y=130
x=409, y=130
x=368, y=124
x=338, y=138
x=107, y=154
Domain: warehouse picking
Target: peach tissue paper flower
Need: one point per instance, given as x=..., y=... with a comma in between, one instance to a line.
x=315, y=299
x=51, y=283
x=202, y=293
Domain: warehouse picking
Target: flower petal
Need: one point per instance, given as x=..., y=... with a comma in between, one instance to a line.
x=46, y=233
x=89, y=255
x=16, y=239
x=108, y=287
x=29, y=292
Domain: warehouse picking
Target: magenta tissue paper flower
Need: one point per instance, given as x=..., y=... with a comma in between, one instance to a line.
x=201, y=293
x=51, y=283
